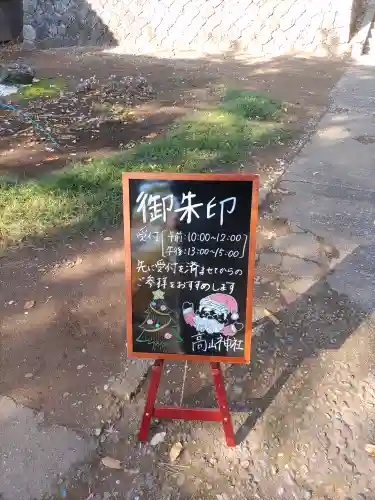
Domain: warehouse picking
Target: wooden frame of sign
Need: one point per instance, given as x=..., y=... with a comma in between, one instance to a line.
x=179, y=305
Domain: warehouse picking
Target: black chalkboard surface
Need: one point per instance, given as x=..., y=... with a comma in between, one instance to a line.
x=189, y=252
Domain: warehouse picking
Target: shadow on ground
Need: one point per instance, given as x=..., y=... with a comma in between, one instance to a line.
x=58, y=355
x=321, y=319
x=287, y=368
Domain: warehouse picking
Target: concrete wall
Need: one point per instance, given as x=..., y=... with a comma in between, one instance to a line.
x=255, y=27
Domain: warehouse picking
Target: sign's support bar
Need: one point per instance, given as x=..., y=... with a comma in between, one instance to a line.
x=221, y=414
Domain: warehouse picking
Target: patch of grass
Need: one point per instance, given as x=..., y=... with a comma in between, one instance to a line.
x=89, y=195
x=201, y=137
x=43, y=88
x=250, y=105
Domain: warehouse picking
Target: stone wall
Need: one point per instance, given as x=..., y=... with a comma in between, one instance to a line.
x=256, y=27
x=357, y=14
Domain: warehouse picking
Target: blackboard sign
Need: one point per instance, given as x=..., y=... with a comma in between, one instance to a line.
x=189, y=262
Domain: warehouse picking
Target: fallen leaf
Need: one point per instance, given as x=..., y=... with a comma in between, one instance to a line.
x=111, y=463
x=158, y=438
x=51, y=158
x=152, y=135
x=175, y=451
x=370, y=448
x=29, y=304
x=272, y=317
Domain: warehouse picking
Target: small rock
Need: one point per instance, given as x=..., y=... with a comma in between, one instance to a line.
x=17, y=74
x=79, y=367
x=107, y=238
x=175, y=451
x=245, y=464
x=29, y=304
x=87, y=84
x=258, y=331
x=29, y=33
x=28, y=375
x=158, y=438
x=111, y=463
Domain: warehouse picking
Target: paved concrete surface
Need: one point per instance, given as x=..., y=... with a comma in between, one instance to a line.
x=332, y=183
x=34, y=455
x=132, y=373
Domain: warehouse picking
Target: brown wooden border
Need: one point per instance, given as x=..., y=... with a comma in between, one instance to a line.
x=254, y=178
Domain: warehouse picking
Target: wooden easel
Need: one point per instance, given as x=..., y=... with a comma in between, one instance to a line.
x=221, y=414
x=211, y=221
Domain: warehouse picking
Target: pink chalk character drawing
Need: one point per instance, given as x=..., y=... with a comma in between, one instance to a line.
x=217, y=313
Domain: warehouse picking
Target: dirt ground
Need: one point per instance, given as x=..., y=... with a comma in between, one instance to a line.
x=77, y=286
x=178, y=85
x=62, y=353
x=62, y=304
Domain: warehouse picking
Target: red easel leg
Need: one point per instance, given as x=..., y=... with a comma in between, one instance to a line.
x=223, y=404
x=156, y=372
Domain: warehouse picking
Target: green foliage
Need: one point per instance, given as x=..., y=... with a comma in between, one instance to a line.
x=250, y=105
x=89, y=195
x=43, y=88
